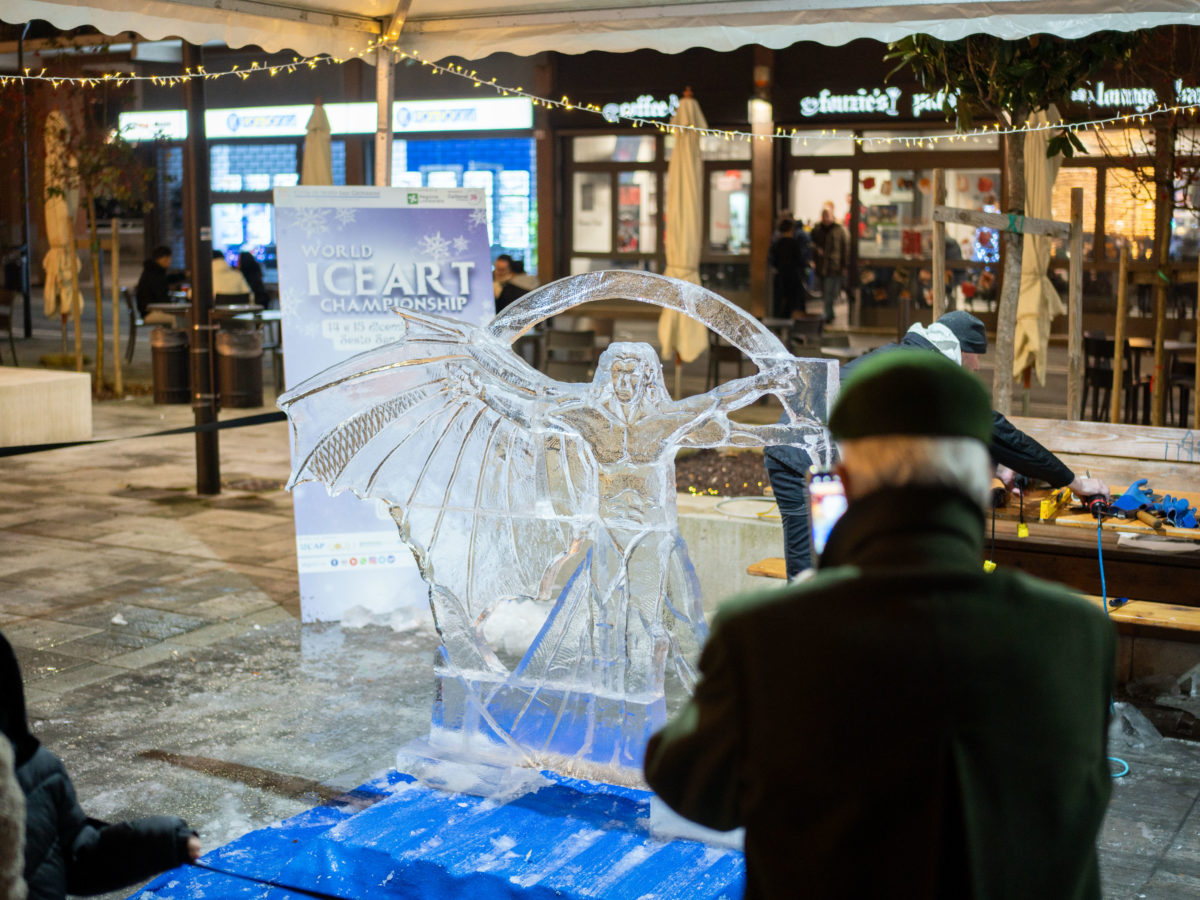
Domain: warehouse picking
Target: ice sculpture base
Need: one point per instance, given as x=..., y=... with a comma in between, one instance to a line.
x=491, y=717
x=530, y=835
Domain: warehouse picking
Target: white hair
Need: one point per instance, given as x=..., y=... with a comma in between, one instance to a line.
x=873, y=463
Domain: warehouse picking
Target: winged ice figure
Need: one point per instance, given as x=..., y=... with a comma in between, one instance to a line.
x=509, y=485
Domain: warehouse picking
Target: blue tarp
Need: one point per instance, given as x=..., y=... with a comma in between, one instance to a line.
x=397, y=837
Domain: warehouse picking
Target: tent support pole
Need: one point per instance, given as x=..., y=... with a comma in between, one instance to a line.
x=383, y=117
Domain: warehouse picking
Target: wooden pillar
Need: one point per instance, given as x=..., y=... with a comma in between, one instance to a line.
x=1075, y=310
x=1118, y=363
x=938, y=275
x=762, y=179
x=1164, y=202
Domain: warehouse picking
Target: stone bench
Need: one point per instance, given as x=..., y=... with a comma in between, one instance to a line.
x=39, y=406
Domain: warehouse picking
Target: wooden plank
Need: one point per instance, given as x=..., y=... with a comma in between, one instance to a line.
x=771, y=567
x=1142, y=615
x=1104, y=439
x=1075, y=310
x=1133, y=616
x=1002, y=222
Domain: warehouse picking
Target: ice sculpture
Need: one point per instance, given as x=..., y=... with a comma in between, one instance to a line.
x=509, y=485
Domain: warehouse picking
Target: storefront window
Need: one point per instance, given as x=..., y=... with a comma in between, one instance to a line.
x=615, y=148
x=1060, y=207
x=503, y=168
x=637, y=209
x=583, y=264
x=811, y=189
x=818, y=143
x=895, y=141
x=1129, y=212
x=712, y=148
x=729, y=211
x=250, y=167
x=591, y=217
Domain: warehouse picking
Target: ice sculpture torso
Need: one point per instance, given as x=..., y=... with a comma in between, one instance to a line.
x=508, y=485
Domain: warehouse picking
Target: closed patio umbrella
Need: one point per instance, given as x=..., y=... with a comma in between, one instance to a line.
x=682, y=336
x=60, y=264
x=1039, y=301
x=317, y=167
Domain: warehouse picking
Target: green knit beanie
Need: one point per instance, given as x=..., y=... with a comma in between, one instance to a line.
x=911, y=392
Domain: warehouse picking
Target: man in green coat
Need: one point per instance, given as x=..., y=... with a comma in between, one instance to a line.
x=903, y=724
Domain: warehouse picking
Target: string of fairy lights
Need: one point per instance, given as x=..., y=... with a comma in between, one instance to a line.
x=567, y=104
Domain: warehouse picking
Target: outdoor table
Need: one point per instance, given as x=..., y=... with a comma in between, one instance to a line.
x=179, y=312
x=843, y=354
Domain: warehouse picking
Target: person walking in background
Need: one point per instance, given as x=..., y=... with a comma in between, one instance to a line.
x=831, y=254
x=65, y=851
x=981, y=767
x=788, y=257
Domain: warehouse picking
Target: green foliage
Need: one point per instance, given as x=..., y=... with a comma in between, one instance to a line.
x=983, y=76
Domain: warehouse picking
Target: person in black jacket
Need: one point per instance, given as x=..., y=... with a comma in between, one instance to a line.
x=154, y=286
x=65, y=851
x=963, y=338
x=253, y=274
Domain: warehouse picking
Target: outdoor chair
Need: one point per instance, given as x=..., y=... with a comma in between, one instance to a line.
x=135, y=322
x=807, y=332
x=7, y=299
x=1098, y=353
x=569, y=355
x=1181, y=381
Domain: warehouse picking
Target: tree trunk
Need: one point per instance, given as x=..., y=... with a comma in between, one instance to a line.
x=1006, y=317
x=98, y=284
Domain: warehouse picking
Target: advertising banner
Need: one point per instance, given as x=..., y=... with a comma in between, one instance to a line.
x=349, y=257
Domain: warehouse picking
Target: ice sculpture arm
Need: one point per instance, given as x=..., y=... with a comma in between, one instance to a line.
x=711, y=426
x=694, y=762
x=527, y=408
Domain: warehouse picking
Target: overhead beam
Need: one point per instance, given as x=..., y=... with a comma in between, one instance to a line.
x=395, y=24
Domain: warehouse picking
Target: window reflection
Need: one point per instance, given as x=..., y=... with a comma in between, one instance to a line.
x=637, y=208
x=729, y=211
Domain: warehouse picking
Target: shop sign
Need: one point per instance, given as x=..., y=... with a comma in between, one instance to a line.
x=482, y=114
x=1135, y=98
x=644, y=107
x=861, y=101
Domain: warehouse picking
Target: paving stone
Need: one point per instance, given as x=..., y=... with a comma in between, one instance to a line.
x=43, y=634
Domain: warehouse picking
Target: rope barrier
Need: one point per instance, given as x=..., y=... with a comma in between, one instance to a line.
x=245, y=421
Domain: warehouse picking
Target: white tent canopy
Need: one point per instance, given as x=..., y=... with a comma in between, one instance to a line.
x=476, y=28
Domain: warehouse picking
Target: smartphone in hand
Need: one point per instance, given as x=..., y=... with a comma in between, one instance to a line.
x=826, y=503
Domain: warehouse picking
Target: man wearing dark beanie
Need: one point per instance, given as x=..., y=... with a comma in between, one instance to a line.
x=903, y=723
x=962, y=338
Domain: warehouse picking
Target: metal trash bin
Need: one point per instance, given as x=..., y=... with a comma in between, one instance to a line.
x=170, y=365
x=239, y=368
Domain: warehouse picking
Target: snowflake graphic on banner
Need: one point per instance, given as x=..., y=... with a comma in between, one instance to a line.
x=478, y=217
x=461, y=244
x=312, y=220
x=345, y=216
x=435, y=247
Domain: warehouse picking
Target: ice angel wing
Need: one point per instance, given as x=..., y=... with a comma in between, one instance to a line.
x=447, y=427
